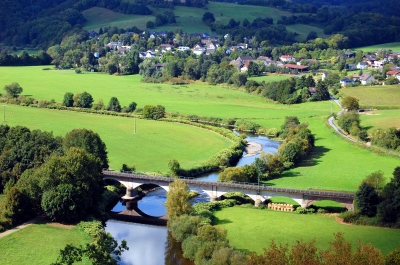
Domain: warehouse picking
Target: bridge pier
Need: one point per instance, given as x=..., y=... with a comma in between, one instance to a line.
x=213, y=198
x=131, y=192
x=257, y=202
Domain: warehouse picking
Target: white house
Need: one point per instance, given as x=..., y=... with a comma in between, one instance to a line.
x=367, y=79
x=287, y=58
x=345, y=81
x=183, y=48
x=362, y=65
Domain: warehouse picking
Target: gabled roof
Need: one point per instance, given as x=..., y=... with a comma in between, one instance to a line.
x=245, y=58
x=365, y=76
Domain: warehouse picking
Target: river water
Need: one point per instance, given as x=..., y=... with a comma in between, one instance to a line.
x=152, y=245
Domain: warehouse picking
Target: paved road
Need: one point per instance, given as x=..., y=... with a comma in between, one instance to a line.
x=34, y=220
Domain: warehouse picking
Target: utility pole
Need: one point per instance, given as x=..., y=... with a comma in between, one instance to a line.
x=134, y=128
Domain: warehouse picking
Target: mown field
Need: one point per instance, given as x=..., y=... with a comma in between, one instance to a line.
x=195, y=99
x=38, y=244
x=252, y=229
x=394, y=46
x=374, y=96
x=380, y=119
x=150, y=149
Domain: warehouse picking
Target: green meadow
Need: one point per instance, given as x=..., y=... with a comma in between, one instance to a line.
x=394, y=46
x=190, y=18
x=374, y=96
x=381, y=119
x=196, y=99
x=38, y=244
x=150, y=149
x=334, y=164
x=98, y=17
x=252, y=229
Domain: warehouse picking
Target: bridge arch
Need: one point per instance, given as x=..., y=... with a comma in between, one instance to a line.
x=337, y=206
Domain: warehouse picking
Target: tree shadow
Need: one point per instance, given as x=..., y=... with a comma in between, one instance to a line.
x=366, y=127
x=313, y=158
x=221, y=221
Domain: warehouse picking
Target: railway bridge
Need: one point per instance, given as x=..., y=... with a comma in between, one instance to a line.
x=305, y=198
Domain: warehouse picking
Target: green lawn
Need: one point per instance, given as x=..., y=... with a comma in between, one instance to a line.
x=394, y=46
x=381, y=119
x=252, y=229
x=38, y=244
x=150, y=149
x=198, y=98
x=375, y=96
x=335, y=164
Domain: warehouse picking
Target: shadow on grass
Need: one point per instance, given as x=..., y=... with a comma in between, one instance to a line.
x=313, y=159
x=221, y=221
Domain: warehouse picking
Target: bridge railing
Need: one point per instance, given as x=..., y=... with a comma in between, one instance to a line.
x=237, y=185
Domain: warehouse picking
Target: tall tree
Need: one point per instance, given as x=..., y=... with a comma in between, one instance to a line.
x=13, y=89
x=177, y=202
x=350, y=103
x=68, y=99
x=366, y=200
x=88, y=141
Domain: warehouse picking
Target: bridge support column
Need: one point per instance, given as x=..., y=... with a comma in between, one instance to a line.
x=257, y=202
x=213, y=198
x=131, y=192
x=131, y=205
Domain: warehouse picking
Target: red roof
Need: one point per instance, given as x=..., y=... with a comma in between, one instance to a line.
x=295, y=66
x=392, y=72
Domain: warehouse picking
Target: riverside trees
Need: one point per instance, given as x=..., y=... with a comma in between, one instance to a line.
x=61, y=177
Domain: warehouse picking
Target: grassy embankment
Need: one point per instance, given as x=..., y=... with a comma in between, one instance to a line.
x=252, y=229
x=189, y=19
x=39, y=244
x=347, y=164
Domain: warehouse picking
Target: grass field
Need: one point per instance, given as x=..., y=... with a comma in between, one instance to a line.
x=188, y=18
x=269, y=78
x=150, y=149
x=394, y=46
x=98, y=17
x=381, y=119
x=252, y=229
x=303, y=31
x=335, y=164
x=38, y=244
x=197, y=99
x=374, y=96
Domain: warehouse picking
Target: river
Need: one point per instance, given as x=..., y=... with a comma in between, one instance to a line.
x=152, y=245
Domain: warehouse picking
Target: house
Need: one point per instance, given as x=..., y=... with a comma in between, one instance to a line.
x=398, y=76
x=242, y=46
x=345, y=81
x=263, y=58
x=378, y=64
x=199, y=51
x=391, y=73
x=237, y=64
x=114, y=45
x=165, y=47
x=367, y=79
x=295, y=67
x=362, y=65
x=183, y=48
x=351, y=66
x=287, y=58
x=350, y=54
x=212, y=45
x=245, y=67
x=312, y=90
x=244, y=59
x=354, y=77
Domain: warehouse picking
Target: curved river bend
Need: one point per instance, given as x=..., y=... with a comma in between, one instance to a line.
x=152, y=245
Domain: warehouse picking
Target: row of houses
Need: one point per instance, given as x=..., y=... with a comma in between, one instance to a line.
x=242, y=63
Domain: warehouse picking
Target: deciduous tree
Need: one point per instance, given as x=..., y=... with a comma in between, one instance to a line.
x=177, y=202
x=13, y=89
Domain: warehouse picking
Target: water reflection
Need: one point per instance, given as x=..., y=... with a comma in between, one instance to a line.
x=146, y=243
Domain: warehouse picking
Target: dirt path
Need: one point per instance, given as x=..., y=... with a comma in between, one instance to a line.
x=34, y=220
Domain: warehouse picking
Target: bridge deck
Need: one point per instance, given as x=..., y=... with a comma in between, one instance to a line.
x=244, y=186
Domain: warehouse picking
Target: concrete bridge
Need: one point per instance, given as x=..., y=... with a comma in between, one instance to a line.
x=259, y=193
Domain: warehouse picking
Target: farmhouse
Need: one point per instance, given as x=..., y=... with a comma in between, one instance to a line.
x=287, y=58
x=367, y=79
